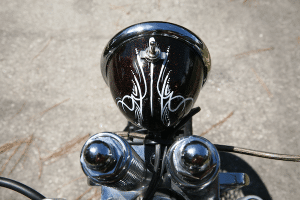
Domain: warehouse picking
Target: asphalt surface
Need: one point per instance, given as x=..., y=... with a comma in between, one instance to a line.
x=51, y=84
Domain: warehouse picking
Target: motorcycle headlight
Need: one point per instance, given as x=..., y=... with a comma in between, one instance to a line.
x=155, y=71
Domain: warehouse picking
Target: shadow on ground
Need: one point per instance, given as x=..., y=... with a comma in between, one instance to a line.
x=233, y=163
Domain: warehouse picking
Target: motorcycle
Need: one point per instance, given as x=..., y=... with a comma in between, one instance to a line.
x=155, y=71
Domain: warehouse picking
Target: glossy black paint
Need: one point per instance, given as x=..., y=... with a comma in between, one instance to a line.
x=186, y=71
x=156, y=28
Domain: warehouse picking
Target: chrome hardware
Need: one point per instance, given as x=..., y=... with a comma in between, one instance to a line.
x=193, y=163
x=153, y=50
x=111, y=193
x=153, y=53
x=99, y=156
x=196, y=158
x=153, y=29
x=233, y=180
x=250, y=197
x=108, y=159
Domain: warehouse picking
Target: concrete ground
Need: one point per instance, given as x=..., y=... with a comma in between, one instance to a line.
x=51, y=85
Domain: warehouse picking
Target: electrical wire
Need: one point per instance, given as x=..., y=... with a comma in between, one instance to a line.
x=157, y=157
x=155, y=177
x=193, y=112
x=163, y=162
x=275, y=156
x=20, y=188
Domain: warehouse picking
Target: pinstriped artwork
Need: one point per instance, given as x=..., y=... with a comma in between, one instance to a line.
x=167, y=97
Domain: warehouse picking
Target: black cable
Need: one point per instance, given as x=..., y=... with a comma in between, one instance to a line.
x=20, y=188
x=193, y=112
x=275, y=156
x=163, y=164
x=155, y=177
x=157, y=157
